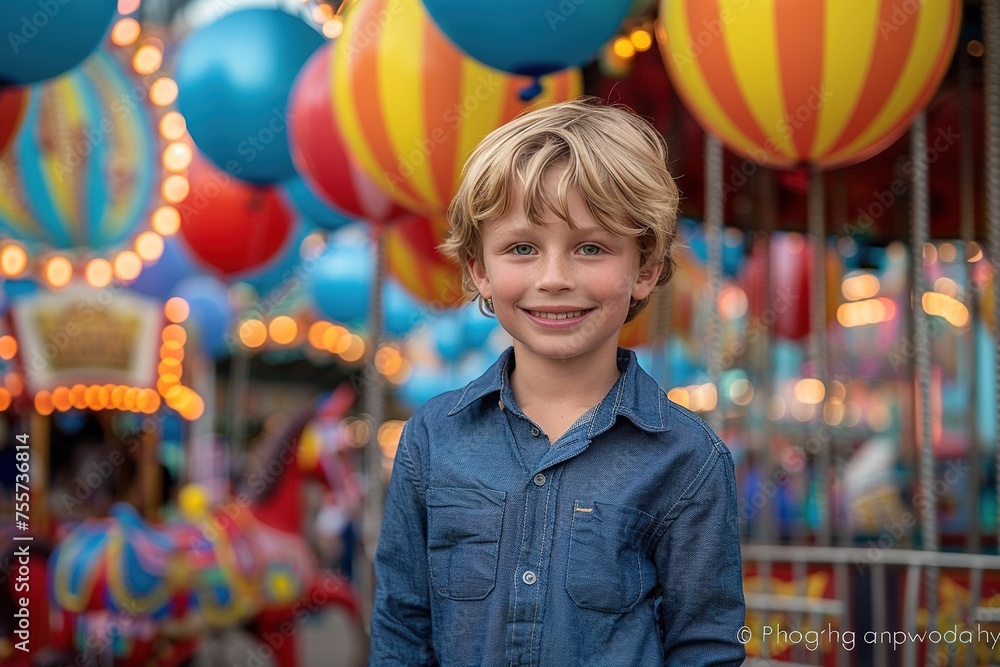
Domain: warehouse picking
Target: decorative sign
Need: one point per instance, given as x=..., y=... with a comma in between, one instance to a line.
x=87, y=336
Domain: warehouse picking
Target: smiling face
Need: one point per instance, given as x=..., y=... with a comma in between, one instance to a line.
x=562, y=293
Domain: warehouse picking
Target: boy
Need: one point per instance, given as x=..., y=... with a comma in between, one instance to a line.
x=559, y=510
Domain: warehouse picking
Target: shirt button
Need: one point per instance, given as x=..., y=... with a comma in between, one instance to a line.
x=539, y=480
x=529, y=577
x=535, y=431
x=500, y=403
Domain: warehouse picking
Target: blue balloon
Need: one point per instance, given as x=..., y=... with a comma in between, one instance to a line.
x=312, y=208
x=401, y=312
x=211, y=313
x=18, y=288
x=476, y=327
x=528, y=37
x=423, y=384
x=234, y=77
x=159, y=280
x=43, y=39
x=340, y=282
x=449, y=337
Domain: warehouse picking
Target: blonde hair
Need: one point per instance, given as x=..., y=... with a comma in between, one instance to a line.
x=614, y=158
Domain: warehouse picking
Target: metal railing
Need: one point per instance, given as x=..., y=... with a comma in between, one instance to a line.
x=909, y=566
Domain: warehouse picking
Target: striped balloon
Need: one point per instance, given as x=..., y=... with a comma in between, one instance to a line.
x=80, y=172
x=318, y=150
x=411, y=106
x=825, y=82
x=412, y=258
x=13, y=104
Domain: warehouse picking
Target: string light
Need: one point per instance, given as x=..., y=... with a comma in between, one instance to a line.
x=166, y=221
x=176, y=309
x=163, y=92
x=13, y=261
x=173, y=126
x=98, y=273
x=149, y=246
x=125, y=32
x=147, y=59
x=58, y=271
x=127, y=266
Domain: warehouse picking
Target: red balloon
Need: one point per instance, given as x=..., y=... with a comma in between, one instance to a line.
x=230, y=225
x=318, y=149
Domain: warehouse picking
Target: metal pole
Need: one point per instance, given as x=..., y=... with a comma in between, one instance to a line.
x=373, y=399
x=818, y=341
x=991, y=87
x=967, y=231
x=714, y=202
x=920, y=233
x=769, y=218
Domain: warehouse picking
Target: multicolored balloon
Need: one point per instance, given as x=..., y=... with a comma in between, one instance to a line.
x=527, y=37
x=46, y=39
x=411, y=106
x=412, y=258
x=231, y=226
x=825, y=82
x=233, y=77
x=318, y=148
x=80, y=172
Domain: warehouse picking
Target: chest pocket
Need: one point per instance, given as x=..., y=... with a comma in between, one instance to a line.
x=463, y=540
x=607, y=568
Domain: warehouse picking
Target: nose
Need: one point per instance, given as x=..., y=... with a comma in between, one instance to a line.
x=555, y=273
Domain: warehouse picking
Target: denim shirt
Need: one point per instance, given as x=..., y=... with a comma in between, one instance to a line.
x=616, y=545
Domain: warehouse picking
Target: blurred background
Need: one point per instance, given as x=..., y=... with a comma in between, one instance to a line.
x=221, y=299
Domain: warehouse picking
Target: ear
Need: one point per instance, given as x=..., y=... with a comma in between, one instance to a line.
x=477, y=270
x=646, y=281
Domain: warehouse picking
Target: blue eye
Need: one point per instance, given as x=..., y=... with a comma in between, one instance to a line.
x=522, y=249
x=590, y=249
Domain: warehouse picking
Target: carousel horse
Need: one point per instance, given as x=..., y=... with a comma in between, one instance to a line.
x=148, y=593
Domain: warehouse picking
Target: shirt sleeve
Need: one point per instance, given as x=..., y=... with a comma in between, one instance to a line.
x=700, y=573
x=401, y=616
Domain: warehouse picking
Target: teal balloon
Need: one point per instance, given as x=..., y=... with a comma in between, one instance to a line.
x=529, y=37
x=312, y=208
x=424, y=383
x=401, y=311
x=233, y=78
x=449, y=337
x=340, y=282
x=211, y=313
x=45, y=38
x=476, y=327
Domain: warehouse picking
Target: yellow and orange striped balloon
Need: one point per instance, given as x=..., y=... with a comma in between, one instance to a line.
x=412, y=259
x=411, y=106
x=824, y=82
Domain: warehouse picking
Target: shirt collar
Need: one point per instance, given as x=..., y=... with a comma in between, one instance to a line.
x=635, y=395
